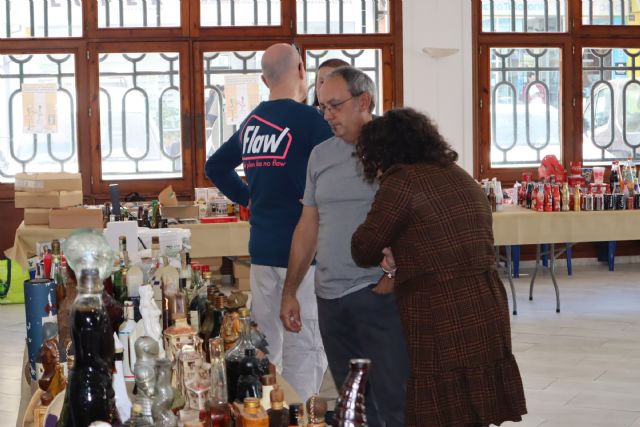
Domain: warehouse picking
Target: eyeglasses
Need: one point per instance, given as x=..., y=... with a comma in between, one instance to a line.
x=332, y=107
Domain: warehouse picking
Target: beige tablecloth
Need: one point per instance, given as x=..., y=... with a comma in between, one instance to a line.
x=518, y=226
x=207, y=240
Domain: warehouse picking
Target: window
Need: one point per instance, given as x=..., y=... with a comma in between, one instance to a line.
x=531, y=101
x=141, y=92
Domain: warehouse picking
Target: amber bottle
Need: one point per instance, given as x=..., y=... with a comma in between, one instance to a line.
x=350, y=406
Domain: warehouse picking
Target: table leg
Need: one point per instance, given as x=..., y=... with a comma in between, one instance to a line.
x=535, y=272
x=513, y=289
x=552, y=259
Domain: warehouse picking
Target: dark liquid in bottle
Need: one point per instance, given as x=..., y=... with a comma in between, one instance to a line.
x=90, y=393
x=219, y=414
x=233, y=374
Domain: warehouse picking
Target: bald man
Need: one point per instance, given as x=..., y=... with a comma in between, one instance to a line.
x=273, y=144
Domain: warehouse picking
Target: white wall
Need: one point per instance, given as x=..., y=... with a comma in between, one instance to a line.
x=441, y=87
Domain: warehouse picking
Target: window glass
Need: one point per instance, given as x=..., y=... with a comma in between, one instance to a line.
x=610, y=12
x=611, y=104
x=232, y=13
x=525, y=105
x=524, y=16
x=343, y=16
x=38, y=114
x=138, y=13
x=140, y=134
x=40, y=18
x=233, y=87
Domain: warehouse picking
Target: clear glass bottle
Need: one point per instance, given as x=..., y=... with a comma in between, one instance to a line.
x=219, y=410
x=234, y=356
x=90, y=396
x=120, y=275
x=350, y=406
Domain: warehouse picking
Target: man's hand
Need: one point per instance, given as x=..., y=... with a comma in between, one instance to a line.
x=290, y=313
x=388, y=262
x=384, y=286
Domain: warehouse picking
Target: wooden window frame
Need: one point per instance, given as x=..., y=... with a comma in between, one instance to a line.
x=571, y=43
x=191, y=41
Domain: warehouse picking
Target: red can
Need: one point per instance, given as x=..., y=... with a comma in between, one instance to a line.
x=245, y=213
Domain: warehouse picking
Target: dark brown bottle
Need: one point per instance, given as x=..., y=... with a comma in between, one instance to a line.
x=350, y=406
x=249, y=384
x=90, y=396
x=278, y=414
x=296, y=414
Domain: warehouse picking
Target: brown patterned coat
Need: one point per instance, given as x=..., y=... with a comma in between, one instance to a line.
x=451, y=300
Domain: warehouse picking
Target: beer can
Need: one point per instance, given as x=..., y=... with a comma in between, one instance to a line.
x=40, y=308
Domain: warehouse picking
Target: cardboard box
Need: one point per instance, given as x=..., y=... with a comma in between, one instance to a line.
x=242, y=284
x=75, y=218
x=45, y=182
x=213, y=262
x=52, y=199
x=167, y=197
x=180, y=211
x=241, y=268
x=36, y=217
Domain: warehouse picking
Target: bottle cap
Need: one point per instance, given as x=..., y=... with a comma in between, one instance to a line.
x=277, y=397
x=243, y=312
x=251, y=403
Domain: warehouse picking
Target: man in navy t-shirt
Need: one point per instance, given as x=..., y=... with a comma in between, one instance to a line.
x=273, y=144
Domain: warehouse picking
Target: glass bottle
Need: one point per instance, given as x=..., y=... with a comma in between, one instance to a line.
x=268, y=382
x=120, y=275
x=127, y=336
x=251, y=414
x=278, y=414
x=90, y=393
x=219, y=410
x=296, y=414
x=316, y=411
x=565, y=197
x=163, y=396
x=56, y=271
x=350, y=406
x=234, y=356
x=249, y=380
x=492, y=199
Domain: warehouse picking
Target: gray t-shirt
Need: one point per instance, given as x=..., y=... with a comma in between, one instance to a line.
x=335, y=185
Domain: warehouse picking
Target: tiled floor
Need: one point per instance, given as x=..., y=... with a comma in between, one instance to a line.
x=580, y=367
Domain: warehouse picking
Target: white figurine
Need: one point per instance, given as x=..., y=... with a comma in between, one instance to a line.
x=151, y=316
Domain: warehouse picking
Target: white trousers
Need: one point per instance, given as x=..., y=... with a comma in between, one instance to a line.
x=299, y=357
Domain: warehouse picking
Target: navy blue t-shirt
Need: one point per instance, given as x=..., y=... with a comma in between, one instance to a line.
x=273, y=144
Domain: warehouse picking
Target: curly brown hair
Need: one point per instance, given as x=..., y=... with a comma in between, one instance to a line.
x=401, y=136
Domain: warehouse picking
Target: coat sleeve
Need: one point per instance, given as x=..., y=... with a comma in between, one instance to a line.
x=221, y=170
x=388, y=215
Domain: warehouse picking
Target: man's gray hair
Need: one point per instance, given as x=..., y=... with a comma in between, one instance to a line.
x=357, y=83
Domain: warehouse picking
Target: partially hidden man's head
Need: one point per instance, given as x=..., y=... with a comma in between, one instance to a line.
x=282, y=66
x=347, y=98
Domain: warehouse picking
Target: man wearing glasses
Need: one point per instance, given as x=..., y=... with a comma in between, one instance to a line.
x=273, y=144
x=357, y=313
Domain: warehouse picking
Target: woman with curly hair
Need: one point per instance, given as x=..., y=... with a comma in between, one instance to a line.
x=430, y=226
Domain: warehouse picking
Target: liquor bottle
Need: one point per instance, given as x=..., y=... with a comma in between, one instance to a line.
x=268, y=382
x=565, y=197
x=163, y=395
x=123, y=403
x=492, y=199
x=534, y=197
x=120, y=275
x=127, y=336
x=540, y=201
x=56, y=271
x=316, y=411
x=296, y=414
x=548, y=198
x=234, y=356
x=249, y=380
x=251, y=414
x=90, y=396
x=557, y=202
x=278, y=414
x=350, y=406
x=219, y=410
x=576, y=198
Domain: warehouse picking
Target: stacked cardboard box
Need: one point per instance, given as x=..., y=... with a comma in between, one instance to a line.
x=41, y=193
x=241, y=273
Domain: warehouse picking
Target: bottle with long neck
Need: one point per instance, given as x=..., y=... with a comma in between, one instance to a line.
x=127, y=336
x=90, y=396
x=350, y=406
x=219, y=410
x=120, y=275
x=234, y=356
x=56, y=271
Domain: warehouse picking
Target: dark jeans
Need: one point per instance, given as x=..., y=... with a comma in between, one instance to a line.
x=367, y=325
